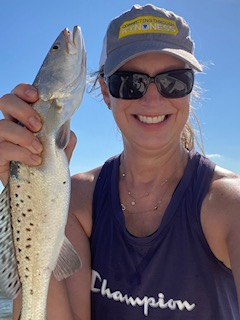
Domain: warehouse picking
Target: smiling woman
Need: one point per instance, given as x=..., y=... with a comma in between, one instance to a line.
x=157, y=225
x=131, y=85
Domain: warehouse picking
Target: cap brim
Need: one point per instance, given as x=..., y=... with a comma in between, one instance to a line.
x=120, y=56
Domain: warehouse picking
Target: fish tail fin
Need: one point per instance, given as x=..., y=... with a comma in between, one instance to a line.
x=9, y=278
x=68, y=261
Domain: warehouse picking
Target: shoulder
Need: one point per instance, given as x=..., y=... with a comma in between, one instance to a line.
x=82, y=188
x=220, y=214
x=225, y=189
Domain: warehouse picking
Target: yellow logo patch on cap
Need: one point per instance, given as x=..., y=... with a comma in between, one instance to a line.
x=148, y=24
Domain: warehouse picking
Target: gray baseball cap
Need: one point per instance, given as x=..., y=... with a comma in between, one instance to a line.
x=146, y=29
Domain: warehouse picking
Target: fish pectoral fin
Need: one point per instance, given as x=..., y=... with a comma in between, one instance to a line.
x=57, y=124
x=68, y=261
x=63, y=135
x=9, y=278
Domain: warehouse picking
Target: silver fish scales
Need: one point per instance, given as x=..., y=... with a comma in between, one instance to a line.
x=34, y=205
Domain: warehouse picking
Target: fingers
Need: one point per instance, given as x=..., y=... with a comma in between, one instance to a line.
x=26, y=92
x=10, y=152
x=71, y=145
x=15, y=134
x=19, y=143
x=15, y=106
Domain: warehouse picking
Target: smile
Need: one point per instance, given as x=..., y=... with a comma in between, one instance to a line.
x=148, y=119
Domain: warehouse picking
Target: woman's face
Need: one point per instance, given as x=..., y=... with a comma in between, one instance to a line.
x=151, y=122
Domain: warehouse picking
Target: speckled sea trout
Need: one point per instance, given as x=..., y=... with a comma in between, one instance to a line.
x=34, y=205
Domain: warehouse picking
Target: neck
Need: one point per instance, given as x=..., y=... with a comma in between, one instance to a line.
x=148, y=169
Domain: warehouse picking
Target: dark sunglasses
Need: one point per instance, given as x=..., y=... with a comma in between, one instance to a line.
x=133, y=85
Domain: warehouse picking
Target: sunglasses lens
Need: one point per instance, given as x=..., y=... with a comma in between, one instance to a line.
x=176, y=83
x=127, y=85
x=131, y=85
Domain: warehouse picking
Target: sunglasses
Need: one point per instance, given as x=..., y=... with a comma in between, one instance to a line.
x=133, y=85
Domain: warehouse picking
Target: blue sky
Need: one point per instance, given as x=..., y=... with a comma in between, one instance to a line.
x=29, y=28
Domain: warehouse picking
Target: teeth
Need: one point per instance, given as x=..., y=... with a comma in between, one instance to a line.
x=156, y=119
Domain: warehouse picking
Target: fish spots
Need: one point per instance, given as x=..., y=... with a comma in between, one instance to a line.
x=4, y=258
x=27, y=258
x=31, y=292
x=4, y=270
x=6, y=228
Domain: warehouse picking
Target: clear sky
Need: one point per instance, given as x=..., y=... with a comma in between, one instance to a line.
x=28, y=29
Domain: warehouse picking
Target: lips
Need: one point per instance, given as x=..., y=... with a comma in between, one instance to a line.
x=151, y=119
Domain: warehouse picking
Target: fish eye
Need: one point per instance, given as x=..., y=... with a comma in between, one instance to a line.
x=55, y=48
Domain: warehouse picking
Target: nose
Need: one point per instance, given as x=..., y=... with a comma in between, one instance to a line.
x=152, y=94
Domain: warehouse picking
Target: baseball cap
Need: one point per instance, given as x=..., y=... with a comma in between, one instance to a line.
x=145, y=29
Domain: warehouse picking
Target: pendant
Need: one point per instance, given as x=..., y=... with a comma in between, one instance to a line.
x=133, y=202
x=123, y=207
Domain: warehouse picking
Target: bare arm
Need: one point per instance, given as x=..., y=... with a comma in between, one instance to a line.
x=221, y=221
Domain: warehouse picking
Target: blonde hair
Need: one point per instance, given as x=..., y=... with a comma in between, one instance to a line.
x=191, y=135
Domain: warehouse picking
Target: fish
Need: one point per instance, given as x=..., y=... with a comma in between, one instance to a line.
x=34, y=204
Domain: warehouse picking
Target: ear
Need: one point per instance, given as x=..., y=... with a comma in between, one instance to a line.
x=104, y=90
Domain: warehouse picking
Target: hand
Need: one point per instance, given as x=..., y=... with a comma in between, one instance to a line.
x=19, y=143
x=16, y=142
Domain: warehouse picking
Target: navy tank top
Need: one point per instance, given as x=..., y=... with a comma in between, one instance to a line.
x=171, y=274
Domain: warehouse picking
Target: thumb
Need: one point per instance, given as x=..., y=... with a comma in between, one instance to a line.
x=71, y=145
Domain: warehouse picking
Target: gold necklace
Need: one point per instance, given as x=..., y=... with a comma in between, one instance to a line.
x=134, y=199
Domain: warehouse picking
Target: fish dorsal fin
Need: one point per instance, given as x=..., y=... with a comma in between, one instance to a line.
x=63, y=135
x=9, y=278
x=68, y=261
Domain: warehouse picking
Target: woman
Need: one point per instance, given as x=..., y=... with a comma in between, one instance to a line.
x=160, y=223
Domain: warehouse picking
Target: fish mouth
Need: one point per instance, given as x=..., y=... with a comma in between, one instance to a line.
x=76, y=42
